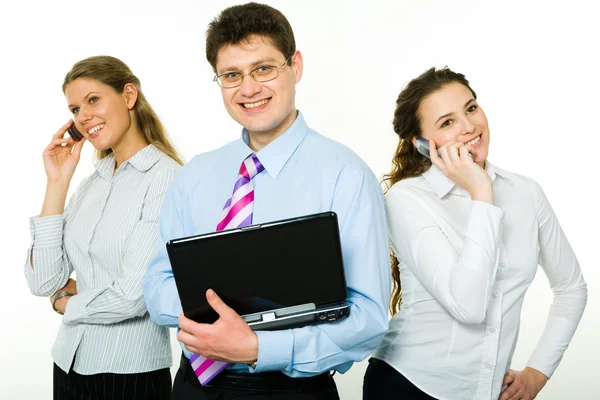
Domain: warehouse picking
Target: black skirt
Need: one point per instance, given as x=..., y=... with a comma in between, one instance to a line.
x=383, y=382
x=153, y=385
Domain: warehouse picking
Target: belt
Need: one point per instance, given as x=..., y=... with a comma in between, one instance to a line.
x=263, y=381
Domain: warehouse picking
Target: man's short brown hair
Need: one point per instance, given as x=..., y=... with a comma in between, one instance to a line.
x=235, y=24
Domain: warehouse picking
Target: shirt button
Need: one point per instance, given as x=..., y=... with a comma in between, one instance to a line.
x=488, y=366
x=492, y=330
x=494, y=295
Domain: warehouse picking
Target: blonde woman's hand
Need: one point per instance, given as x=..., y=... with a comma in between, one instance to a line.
x=61, y=156
x=456, y=163
x=70, y=286
x=61, y=304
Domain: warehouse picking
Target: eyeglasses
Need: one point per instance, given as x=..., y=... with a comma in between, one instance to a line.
x=264, y=73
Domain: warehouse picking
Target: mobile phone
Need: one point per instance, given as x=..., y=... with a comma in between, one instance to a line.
x=423, y=148
x=74, y=133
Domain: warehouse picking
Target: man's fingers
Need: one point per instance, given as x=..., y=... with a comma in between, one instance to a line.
x=187, y=338
x=194, y=336
x=195, y=329
x=217, y=304
x=190, y=326
x=192, y=349
x=197, y=345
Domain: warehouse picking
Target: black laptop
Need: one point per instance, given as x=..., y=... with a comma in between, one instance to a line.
x=276, y=275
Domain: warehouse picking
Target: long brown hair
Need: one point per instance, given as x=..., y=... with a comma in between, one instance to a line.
x=115, y=73
x=407, y=161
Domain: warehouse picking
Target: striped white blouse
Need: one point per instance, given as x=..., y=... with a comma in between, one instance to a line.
x=107, y=234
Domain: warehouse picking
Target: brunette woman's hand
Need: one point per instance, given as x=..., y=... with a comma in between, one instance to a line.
x=61, y=156
x=456, y=163
x=523, y=385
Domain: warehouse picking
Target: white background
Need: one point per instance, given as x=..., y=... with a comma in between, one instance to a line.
x=533, y=64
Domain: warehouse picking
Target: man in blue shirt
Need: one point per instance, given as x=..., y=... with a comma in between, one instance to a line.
x=252, y=51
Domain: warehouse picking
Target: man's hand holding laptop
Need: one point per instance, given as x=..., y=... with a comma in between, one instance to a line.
x=227, y=339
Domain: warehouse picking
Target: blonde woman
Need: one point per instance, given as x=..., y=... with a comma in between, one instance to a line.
x=107, y=346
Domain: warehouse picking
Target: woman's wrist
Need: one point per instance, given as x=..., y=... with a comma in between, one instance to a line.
x=485, y=195
x=539, y=378
x=59, y=301
x=58, y=185
x=56, y=196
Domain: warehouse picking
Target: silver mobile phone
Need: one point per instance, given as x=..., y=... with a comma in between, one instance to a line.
x=423, y=148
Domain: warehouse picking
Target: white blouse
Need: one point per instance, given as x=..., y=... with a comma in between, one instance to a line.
x=464, y=269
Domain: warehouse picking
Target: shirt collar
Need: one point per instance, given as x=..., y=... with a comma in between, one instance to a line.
x=276, y=154
x=442, y=185
x=143, y=160
x=494, y=171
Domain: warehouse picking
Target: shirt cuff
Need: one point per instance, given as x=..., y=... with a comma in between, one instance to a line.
x=485, y=224
x=46, y=231
x=275, y=350
x=552, y=345
x=75, y=310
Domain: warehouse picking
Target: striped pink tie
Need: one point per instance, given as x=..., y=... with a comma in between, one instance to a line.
x=237, y=212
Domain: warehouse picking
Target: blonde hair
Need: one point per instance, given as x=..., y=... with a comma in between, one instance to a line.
x=115, y=73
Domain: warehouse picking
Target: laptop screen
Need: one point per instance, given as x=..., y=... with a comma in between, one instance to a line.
x=261, y=267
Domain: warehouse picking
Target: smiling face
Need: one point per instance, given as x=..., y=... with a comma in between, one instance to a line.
x=100, y=113
x=452, y=114
x=265, y=109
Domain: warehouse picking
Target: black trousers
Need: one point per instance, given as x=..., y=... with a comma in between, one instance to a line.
x=383, y=382
x=154, y=385
x=267, y=385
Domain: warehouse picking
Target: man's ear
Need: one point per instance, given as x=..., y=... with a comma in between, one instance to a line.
x=130, y=92
x=297, y=65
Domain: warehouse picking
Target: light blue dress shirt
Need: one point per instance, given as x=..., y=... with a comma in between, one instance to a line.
x=305, y=173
